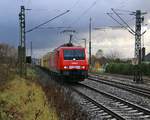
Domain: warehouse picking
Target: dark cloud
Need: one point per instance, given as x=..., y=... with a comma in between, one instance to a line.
x=42, y=10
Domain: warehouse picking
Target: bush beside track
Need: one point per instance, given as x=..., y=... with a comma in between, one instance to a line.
x=60, y=97
x=21, y=98
x=24, y=99
x=127, y=69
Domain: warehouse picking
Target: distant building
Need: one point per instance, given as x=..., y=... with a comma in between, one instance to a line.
x=147, y=57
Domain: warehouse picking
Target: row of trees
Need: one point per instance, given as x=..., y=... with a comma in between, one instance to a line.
x=114, y=64
x=112, y=57
x=8, y=57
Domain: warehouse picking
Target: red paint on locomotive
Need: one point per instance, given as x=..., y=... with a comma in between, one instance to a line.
x=69, y=61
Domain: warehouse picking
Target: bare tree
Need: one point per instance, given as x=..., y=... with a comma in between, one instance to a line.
x=113, y=56
x=8, y=55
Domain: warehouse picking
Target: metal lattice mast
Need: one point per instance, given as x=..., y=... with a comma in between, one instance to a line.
x=138, y=36
x=138, y=50
x=22, y=44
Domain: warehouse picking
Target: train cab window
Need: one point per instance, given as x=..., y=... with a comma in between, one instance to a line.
x=75, y=54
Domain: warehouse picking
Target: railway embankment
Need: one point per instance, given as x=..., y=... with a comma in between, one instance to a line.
x=37, y=97
x=61, y=97
x=24, y=99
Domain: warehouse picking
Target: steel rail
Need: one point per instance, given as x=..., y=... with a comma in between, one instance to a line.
x=134, y=89
x=113, y=114
x=117, y=76
x=125, y=102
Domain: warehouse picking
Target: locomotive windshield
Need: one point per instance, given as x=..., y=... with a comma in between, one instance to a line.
x=74, y=54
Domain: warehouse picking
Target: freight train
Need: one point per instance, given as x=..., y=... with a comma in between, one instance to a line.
x=67, y=61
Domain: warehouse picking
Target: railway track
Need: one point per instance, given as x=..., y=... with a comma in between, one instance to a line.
x=118, y=76
x=103, y=111
x=131, y=88
x=121, y=108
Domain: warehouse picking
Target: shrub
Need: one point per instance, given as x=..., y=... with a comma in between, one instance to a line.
x=61, y=98
x=126, y=68
x=145, y=68
x=7, y=63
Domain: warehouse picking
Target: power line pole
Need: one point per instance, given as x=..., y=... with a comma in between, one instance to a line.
x=139, y=52
x=138, y=36
x=31, y=51
x=90, y=27
x=22, y=44
x=137, y=32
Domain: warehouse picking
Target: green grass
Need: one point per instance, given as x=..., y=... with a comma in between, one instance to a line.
x=32, y=74
x=24, y=100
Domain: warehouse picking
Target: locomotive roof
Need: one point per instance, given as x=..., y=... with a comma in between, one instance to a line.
x=68, y=45
x=72, y=47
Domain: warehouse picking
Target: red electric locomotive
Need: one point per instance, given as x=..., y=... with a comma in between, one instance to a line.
x=68, y=61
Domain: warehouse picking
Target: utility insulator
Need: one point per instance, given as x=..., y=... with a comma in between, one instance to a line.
x=143, y=53
x=70, y=40
x=142, y=19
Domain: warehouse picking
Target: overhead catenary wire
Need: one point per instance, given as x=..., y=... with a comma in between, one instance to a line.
x=107, y=27
x=127, y=26
x=84, y=12
x=123, y=21
x=115, y=19
x=123, y=13
x=120, y=24
x=61, y=27
x=36, y=27
x=124, y=10
x=75, y=4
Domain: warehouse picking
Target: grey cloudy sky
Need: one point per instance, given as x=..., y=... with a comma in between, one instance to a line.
x=78, y=18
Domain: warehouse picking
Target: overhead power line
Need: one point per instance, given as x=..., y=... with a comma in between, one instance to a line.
x=76, y=3
x=120, y=23
x=54, y=27
x=131, y=30
x=127, y=26
x=36, y=27
x=124, y=10
x=108, y=27
x=115, y=19
x=123, y=13
x=85, y=12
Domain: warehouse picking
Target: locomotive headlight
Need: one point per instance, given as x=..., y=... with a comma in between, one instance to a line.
x=83, y=67
x=65, y=67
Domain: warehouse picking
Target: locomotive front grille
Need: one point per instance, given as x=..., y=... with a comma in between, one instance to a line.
x=75, y=72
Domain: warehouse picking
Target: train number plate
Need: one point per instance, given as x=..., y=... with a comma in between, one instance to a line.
x=76, y=67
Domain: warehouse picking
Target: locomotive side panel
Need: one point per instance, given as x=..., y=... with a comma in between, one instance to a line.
x=69, y=62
